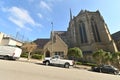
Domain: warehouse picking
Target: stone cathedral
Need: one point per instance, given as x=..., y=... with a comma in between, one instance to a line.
x=89, y=32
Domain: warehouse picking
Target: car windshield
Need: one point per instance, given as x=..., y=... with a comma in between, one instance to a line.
x=109, y=66
x=55, y=57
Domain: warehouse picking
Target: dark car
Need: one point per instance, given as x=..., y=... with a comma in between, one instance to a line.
x=106, y=69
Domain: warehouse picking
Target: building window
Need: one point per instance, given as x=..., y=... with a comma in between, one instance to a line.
x=82, y=30
x=87, y=52
x=95, y=31
x=60, y=53
x=47, y=54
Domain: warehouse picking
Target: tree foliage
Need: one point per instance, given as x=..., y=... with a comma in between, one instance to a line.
x=116, y=59
x=29, y=47
x=107, y=58
x=98, y=56
x=38, y=51
x=74, y=53
x=102, y=57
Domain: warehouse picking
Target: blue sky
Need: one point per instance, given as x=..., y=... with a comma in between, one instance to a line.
x=32, y=18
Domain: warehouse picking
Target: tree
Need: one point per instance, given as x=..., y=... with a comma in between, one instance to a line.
x=38, y=51
x=99, y=56
x=74, y=53
x=116, y=59
x=107, y=58
x=29, y=47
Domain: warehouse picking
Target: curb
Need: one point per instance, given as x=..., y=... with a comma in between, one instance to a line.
x=29, y=61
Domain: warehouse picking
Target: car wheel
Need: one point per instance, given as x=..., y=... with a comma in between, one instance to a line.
x=6, y=57
x=47, y=63
x=115, y=73
x=100, y=71
x=67, y=65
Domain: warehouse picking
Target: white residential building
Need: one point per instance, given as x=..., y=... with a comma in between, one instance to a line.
x=7, y=40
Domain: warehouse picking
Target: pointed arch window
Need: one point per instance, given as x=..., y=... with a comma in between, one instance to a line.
x=82, y=30
x=95, y=31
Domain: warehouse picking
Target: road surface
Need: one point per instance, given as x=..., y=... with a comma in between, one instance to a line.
x=17, y=70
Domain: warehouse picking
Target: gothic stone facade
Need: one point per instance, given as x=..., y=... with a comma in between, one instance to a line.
x=89, y=32
x=55, y=47
x=116, y=37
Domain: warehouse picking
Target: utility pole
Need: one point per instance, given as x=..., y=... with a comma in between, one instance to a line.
x=16, y=37
x=52, y=38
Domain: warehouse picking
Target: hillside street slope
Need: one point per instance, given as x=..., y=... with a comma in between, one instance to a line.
x=19, y=70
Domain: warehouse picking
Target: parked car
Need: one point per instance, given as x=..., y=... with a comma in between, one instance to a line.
x=56, y=60
x=106, y=69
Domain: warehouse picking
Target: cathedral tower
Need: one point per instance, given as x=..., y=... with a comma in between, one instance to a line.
x=89, y=31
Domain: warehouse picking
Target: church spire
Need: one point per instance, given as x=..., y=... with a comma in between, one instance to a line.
x=70, y=15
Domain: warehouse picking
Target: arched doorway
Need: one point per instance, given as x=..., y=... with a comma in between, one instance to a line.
x=47, y=54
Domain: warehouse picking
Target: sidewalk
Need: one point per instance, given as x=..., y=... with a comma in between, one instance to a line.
x=40, y=62
x=31, y=60
x=82, y=67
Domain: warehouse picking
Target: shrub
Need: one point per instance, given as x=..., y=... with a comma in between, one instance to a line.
x=36, y=56
x=75, y=53
x=25, y=55
x=78, y=63
x=89, y=64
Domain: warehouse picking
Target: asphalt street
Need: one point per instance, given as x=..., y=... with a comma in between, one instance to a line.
x=23, y=70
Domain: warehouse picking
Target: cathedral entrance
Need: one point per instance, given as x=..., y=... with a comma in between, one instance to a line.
x=47, y=54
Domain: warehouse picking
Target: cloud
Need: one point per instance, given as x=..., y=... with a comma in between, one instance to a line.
x=39, y=25
x=21, y=17
x=17, y=22
x=39, y=15
x=45, y=5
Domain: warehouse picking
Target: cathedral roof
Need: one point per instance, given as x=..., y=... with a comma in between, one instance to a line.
x=116, y=36
x=41, y=42
x=59, y=32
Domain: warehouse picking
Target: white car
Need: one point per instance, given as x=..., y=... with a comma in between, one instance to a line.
x=56, y=60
